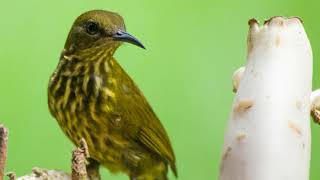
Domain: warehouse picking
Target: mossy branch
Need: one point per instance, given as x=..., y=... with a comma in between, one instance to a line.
x=79, y=164
x=3, y=149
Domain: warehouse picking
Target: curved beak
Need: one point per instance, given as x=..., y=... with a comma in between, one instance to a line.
x=126, y=37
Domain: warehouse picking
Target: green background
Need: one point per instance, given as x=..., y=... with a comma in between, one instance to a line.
x=193, y=47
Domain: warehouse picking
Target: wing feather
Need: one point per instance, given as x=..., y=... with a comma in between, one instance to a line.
x=140, y=115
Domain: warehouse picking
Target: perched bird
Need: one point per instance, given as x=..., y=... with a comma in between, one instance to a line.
x=92, y=97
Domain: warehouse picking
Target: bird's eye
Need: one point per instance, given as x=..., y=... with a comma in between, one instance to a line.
x=92, y=28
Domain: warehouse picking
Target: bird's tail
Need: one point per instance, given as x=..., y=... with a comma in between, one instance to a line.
x=157, y=172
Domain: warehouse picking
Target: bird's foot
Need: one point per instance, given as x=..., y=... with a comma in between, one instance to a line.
x=93, y=170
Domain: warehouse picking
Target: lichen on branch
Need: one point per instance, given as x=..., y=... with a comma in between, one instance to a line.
x=79, y=164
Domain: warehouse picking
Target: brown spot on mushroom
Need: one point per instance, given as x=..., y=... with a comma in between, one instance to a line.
x=254, y=26
x=279, y=20
x=243, y=105
x=277, y=41
x=295, y=128
x=315, y=113
x=241, y=136
x=234, y=89
x=252, y=21
x=226, y=153
x=249, y=44
x=299, y=105
x=281, y=23
x=236, y=78
x=266, y=22
x=296, y=17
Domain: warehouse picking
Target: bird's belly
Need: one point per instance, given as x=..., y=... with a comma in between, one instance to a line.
x=95, y=119
x=105, y=146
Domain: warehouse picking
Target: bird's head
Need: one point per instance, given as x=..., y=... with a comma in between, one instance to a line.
x=98, y=29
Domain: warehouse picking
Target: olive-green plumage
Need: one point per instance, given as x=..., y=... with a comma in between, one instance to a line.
x=92, y=97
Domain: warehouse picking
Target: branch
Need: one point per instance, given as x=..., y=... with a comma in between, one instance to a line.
x=79, y=156
x=79, y=172
x=40, y=174
x=3, y=149
x=79, y=164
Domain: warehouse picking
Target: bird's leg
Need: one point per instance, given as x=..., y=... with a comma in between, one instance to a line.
x=3, y=149
x=93, y=170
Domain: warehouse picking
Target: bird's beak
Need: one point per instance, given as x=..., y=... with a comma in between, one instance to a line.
x=126, y=37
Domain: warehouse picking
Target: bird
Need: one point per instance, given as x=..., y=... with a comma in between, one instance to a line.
x=92, y=97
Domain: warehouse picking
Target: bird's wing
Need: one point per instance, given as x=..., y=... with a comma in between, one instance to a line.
x=150, y=132
x=138, y=112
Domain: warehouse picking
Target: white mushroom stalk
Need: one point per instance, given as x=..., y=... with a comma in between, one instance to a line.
x=268, y=135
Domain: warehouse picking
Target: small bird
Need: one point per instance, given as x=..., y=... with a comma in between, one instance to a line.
x=92, y=97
